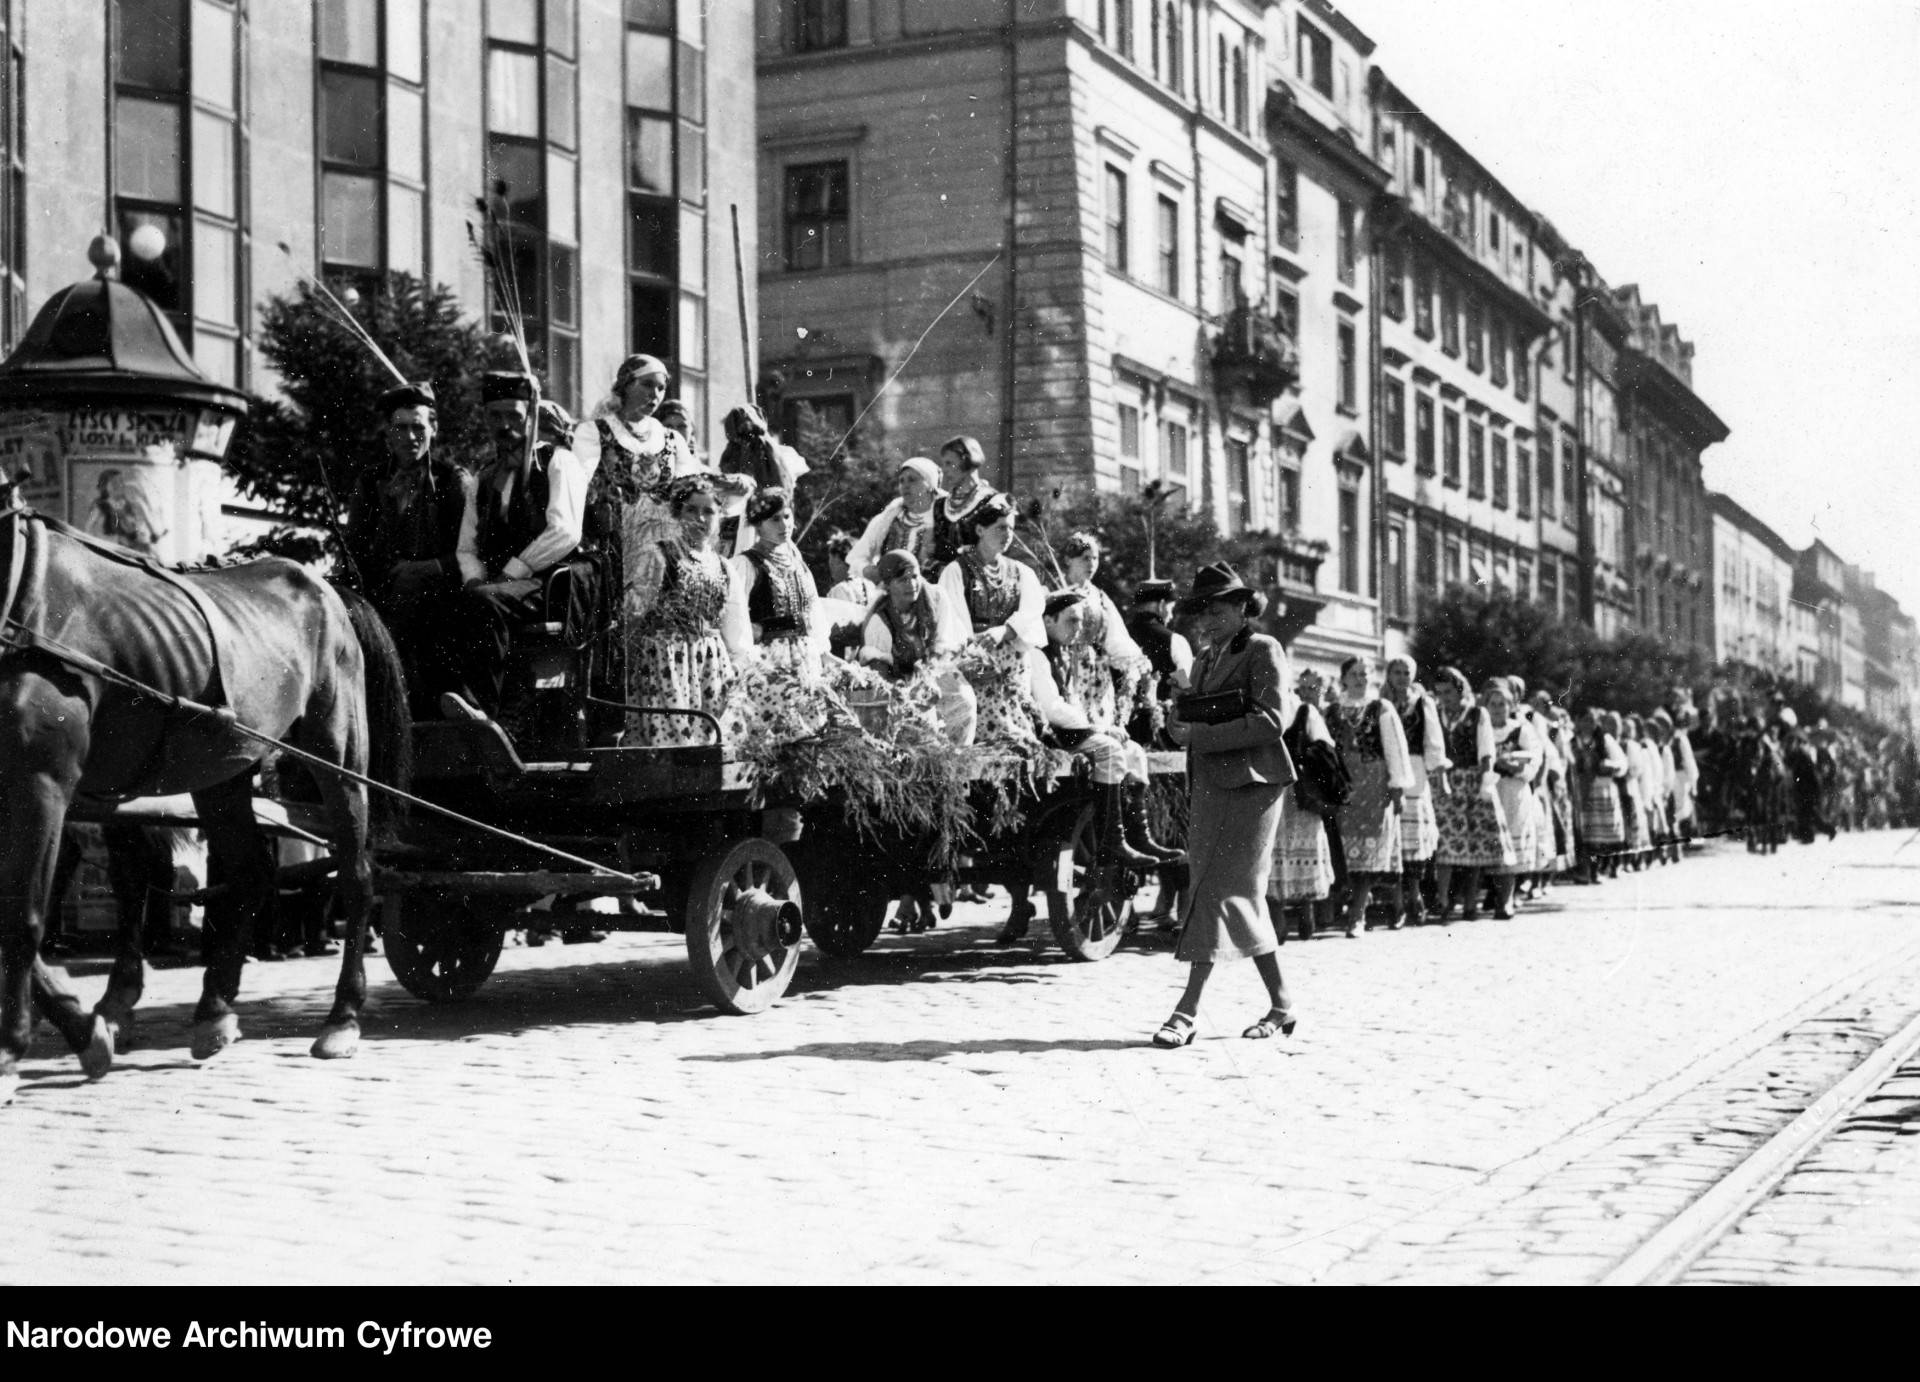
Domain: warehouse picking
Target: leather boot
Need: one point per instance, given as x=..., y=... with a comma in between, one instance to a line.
x=1110, y=831
x=1018, y=920
x=1139, y=834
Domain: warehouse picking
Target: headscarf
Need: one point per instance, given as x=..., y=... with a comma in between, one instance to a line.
x=924, y=468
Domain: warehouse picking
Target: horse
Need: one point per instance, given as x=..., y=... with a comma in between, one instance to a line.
x=120, y=678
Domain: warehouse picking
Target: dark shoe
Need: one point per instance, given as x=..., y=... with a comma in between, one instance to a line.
x=1110, y=830
x=1139, y=835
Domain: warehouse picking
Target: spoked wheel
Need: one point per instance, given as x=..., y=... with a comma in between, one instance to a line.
x=441, y=948
x=744, y=922
x=843, y=922
x=1090, y=913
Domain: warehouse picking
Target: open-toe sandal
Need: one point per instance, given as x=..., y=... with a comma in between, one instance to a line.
x=1176, y=1031
x=1276, y=1022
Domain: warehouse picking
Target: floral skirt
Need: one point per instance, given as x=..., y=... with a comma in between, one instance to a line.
x=781, y=697
x=1522, y=814
x=1602, y=827
x=1369, y=824
x=1419, y=829
x=1003, y=703
x=1302, y=860
x=1473, y=828
x=688, y=673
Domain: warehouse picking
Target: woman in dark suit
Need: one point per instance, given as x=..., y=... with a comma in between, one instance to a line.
x=1237, y=769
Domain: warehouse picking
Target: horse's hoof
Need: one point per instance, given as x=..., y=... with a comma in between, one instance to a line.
x=337, y=1043
x=211, y=1038
x=97, y=1059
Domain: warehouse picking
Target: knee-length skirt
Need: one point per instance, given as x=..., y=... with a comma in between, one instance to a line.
x=1602, y=826
x=1473, y=828
x=1302, y=859
x=1369, y=822
x=671, y=670
x=1419, y=829
x=1634, y=810
x=1230, y=834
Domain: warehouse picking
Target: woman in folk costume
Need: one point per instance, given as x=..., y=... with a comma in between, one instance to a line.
x=783, y=696
x=1598, y=763
x=686, y=623
x=1428, y=761
x=1686, y=771
x=1517, y=755
x=1632, y=785
x=1656, y=784
x=906, y=635
x=1374, y=749
x=905, y=524
x=1558, y=732
x=1473, y=827
x=1237, y=771
x=963, y=460
x=755, y=461
x=995, y=606
x=844, y=583
x=1307, y=866
x=1534, y=872
x=1106, y=665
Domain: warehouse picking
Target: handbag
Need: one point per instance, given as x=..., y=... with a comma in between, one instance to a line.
x=1216, y=709
x=1320, y=784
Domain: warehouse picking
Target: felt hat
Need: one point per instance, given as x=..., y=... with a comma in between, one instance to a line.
x=1218, y=581
x=1152, y=592
x=508, y=386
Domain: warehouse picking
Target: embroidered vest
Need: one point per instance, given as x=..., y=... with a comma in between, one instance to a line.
x=993, y=593
x=507, y=524
x=780, y=602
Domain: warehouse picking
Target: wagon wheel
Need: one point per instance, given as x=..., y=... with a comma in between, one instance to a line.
x=845, y=921
x=441, y=948
x=744, y=925
x=1091, y=913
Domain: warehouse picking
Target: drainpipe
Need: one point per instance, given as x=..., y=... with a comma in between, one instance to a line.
x=1011, y=329
x=1583, y=511
x=1376, y=368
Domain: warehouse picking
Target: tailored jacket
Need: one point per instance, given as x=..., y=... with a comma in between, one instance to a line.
x=1247, y=751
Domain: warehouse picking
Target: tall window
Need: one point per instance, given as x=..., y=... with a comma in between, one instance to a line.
x=1153, y=38
x=1550, y=584
x=1129, y=448
x=1450, y=447
x=1349, y=246
x=372, y=131
x=1349, y=368
x=817, y=219
x=1497, y=350
x=812, y=25
x=1522, y=384
x=1393, y=288
x=1569, y=476
x=1350, y=533
x=1123, y=28
x=1239, y=486
x=1286, y=312
x=1173, y=453
x=1426, y=563
x=1422, y=298
x=1169, y=247
x=1548, y=508
x=1314, y=59
x=1499, y=471
x=1232, y=283
x=1476, y=335
x=1423, y=433
x=1286, y=204
x=1393, y=414
x=1289, y=477
x=1116, y=210
x=1240, y=113
x=1476, y=461
x=533, y=192
x=1449, y=318
x=1523, y=482
x=178, y=147
x=666, y=115
x=1396, y=573
x=13, y=177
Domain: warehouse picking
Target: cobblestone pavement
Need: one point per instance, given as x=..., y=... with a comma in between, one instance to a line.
x=1849, y=1215
x=1453, y=1106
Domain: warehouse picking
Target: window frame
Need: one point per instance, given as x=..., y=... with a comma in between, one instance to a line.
x=1114, y=199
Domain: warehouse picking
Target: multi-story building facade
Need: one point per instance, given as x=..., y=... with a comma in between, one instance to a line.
x=1166, y=199
x=1666, y=426
x=1752, y=590
x=1458, y=423
x=1819, y=590
x=1560, y=502
x=595, y=146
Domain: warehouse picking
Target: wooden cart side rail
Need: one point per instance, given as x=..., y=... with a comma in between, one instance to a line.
x=513, y=884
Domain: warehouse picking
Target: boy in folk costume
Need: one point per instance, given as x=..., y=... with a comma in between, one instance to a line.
x=410, y=535
x=531, y=504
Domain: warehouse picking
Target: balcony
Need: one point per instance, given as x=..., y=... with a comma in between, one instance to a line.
x=1296, y=579
x=1254, y=352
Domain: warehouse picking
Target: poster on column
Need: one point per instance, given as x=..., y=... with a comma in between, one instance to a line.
x=132, y=502
x=30, y=457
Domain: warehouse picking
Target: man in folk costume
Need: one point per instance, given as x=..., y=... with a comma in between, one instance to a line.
x=411, y=533
x=530, y=504
x=1117, y=763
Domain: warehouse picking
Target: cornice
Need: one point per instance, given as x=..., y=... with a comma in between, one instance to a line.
x=1650, y=379
x=1525, y=314
x=1286, y=117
